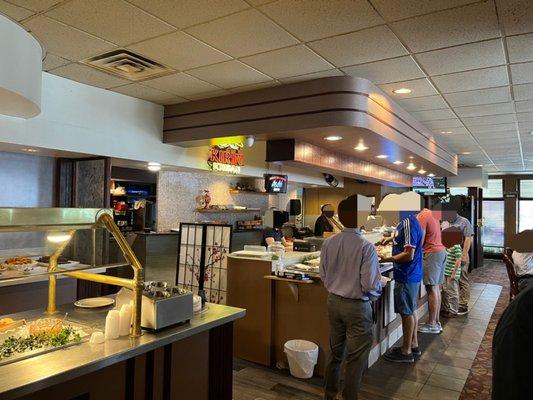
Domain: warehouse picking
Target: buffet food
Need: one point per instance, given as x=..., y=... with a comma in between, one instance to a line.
x=20, y=340
x=46, y=260
x=384, y=251
x=18, y=262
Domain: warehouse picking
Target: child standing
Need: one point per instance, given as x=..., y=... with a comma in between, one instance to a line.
x=452, y=274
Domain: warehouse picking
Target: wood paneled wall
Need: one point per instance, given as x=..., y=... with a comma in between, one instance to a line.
x=313, y=198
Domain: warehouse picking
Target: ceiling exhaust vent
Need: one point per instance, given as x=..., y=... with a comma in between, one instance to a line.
x=127, y=64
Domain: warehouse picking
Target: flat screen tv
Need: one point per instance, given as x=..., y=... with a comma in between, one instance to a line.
x=276, y=183
x=426, y=185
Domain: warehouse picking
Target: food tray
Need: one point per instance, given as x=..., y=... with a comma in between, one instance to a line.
x=21, y=329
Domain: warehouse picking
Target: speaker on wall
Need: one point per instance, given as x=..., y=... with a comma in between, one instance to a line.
x=295, y=207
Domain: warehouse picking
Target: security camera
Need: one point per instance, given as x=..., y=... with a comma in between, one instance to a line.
x=250, y=140
x=331, y=180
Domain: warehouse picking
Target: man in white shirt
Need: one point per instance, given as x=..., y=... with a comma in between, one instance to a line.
x=523, y=263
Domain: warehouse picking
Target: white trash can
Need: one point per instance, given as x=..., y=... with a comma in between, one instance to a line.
x=302, y=356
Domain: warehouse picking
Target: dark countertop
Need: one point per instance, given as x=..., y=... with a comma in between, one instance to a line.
x=27, y=376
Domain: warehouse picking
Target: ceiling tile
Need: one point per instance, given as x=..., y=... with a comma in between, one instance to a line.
x=489, y=120
x=386, y=71
x=52, y=61
x=89, y=76
x=449, y=28
x=478, y=97
x=314, y=75
x=180, y=51
x=486, y=109
x=525, y=117
x=522, y=73
x=255, y=86
x=181, y=84
x=520, y=48
x=525, y=127
x=524, y=106
x=316, y=19
x=113, y=20
x=422, y=103
x=184, y=13
x=229, y=74
x=445, y=124
x=393, y=10
x=207, y=95
x=290, y=61
x=523, y=92
x=13, y=11
x=517, y=16
x=148, y=93
x=35, y=5
x=455, y=132
x=247, y=32
x=433, y=115
x=463, y=58
x=79, y=45
x=419, y=88
x=360, y=47
x=492, y=128
x=471, y=80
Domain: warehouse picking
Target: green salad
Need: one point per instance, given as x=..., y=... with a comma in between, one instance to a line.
x=13, y=345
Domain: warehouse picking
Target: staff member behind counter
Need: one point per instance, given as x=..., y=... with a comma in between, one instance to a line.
x=323, y=223
x=273, y=221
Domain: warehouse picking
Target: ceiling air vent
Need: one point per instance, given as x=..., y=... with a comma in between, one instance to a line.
x=127, y=64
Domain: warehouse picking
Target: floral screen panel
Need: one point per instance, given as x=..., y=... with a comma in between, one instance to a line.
x=208, y=245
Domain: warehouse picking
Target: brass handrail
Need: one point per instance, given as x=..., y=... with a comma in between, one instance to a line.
x=136, y=284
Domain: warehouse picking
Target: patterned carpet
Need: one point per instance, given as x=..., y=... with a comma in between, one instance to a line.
x=479, y=382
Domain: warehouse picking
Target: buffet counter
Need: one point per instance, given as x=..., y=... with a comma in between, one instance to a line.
x=280, y=309
x=192, y=360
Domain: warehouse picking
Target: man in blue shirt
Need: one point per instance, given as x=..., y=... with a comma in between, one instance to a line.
x=349, y=270
x=407, y=257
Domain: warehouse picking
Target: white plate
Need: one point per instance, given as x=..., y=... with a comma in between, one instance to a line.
x=95, y=302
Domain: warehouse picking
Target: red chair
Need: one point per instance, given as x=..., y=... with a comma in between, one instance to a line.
x=513, y=279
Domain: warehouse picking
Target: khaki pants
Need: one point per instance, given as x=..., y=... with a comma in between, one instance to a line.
x=464, y=286
x=450, y=295
x=350, y=338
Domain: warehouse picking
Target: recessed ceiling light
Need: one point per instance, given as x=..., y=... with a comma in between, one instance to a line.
x=402, y=91
x=479, y=165
x=333, y=138
x=466, y=153
x=398, y=162
x=361, y=147
x=154, y=166
x=411, y=167
x=382, y=156
x=431, y=175
x=30, y=150
x=446, y=132
x=421, y=171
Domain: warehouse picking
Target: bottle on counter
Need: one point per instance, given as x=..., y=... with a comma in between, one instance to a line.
x=277, y=251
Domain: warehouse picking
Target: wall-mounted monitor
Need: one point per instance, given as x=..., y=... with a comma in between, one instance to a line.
x=276, y=183
x=427, y=186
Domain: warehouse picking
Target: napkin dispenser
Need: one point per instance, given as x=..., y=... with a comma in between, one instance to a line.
x=161, y=306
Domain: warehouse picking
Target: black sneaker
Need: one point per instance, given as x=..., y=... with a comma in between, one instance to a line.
x=462, y=310
x=396, y=355
x=416, y=352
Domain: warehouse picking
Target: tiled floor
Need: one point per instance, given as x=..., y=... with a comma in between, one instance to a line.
x=439, y=374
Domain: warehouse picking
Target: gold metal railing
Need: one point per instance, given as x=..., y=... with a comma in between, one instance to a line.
x=136, y=284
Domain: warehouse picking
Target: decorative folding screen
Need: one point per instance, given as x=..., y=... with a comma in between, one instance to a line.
x=202, y=259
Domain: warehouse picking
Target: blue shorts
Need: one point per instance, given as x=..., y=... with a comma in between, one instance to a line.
x=405, y=296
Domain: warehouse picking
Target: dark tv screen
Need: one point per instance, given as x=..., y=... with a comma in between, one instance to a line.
x=426, y=185
x=276, y=183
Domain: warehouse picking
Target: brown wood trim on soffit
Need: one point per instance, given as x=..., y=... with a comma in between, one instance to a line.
x=305, y=111
x=293, y=152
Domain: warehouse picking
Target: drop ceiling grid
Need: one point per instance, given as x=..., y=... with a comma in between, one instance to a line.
x=491, y=18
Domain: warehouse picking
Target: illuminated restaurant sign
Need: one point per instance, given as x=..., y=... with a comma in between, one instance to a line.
x=226, y=158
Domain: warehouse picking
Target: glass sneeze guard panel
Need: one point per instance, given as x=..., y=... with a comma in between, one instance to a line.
x=29, y=237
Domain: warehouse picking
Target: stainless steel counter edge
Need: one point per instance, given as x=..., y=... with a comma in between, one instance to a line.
x=24, y=377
